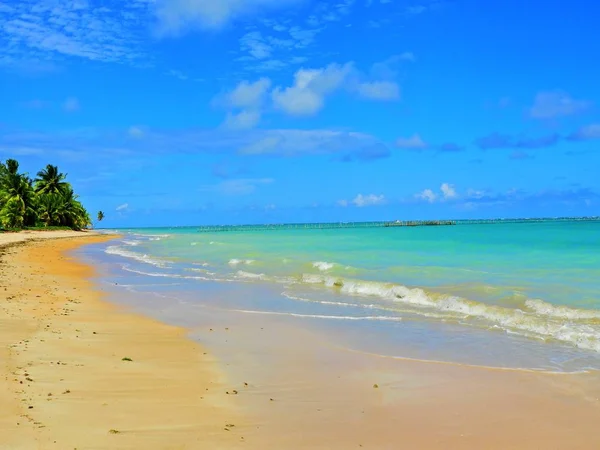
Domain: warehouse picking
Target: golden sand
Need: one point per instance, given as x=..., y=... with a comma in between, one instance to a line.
x=64, y=382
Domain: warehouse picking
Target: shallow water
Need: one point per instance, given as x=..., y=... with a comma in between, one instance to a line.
x=506, y=295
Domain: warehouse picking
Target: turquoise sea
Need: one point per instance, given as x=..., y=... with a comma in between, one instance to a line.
x=514, y=295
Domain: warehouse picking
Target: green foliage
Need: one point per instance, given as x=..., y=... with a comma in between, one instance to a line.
x=51, y=181
x=49, y=201
x=12, y=215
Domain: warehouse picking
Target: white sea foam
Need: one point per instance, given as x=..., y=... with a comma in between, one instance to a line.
x=564, y=312
x=119, y=251
x=235, y=262
x=132, y=243
x=325, y=302
x=166, y=275
x=250, y=275
x=321, y=316
x=151, y=235
x=323, y=266
x=544, y=322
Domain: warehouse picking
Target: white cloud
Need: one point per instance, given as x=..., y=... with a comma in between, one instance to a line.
x=176, y=16
x=553, y=104
x=123, y=207
x=427, y=195
x=307, y=95
x=247, y=94
x=368, y=200
x=342, y=203
x=448, y=191
x=379, y=90
x=244, y=120
x=414, y=142
x=249, y=97
x=71, y=104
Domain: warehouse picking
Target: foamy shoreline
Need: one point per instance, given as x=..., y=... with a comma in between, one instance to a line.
x=301, y=392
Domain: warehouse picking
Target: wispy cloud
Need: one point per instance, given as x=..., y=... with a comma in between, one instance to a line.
x=362, y=201
x=346, y=145
x=178, y=74
x=550, y=197
x=240, y=186
x=554, y=104
x=416, y=143
x=122, y=208
x=424, y=6
x=586, y=133
x=48, y=31
x=379, y=90
x=177, y=16
x=500, y=141
x=413, y=142
x=97, y=144
x=450, y=147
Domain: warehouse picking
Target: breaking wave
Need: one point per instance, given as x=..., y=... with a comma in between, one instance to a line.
x=119, y=251
x=539, y=320
x=323, y=266
x=235, y=262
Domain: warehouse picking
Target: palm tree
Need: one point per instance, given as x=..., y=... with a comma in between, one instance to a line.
x=100, y=216
x=49, y=201
x=49, y=209
x=50, y=181
x=16, y=197
x=11, y=166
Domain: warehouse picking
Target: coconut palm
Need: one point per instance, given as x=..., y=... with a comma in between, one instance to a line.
x=50, y=181
x=17, y=197
x=49, y=201
x=100, y=216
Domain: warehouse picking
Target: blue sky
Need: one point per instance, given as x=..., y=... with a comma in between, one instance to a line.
x=182, y=112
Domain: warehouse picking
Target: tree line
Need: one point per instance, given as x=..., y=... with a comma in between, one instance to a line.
x=46, y=201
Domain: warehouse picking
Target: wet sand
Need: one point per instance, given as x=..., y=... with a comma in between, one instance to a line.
x=274, y=385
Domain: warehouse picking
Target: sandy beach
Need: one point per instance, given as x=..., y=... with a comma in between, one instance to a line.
x=64, y=382
x=67, y=381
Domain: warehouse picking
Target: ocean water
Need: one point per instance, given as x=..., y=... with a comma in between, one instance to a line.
x=513, y=295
